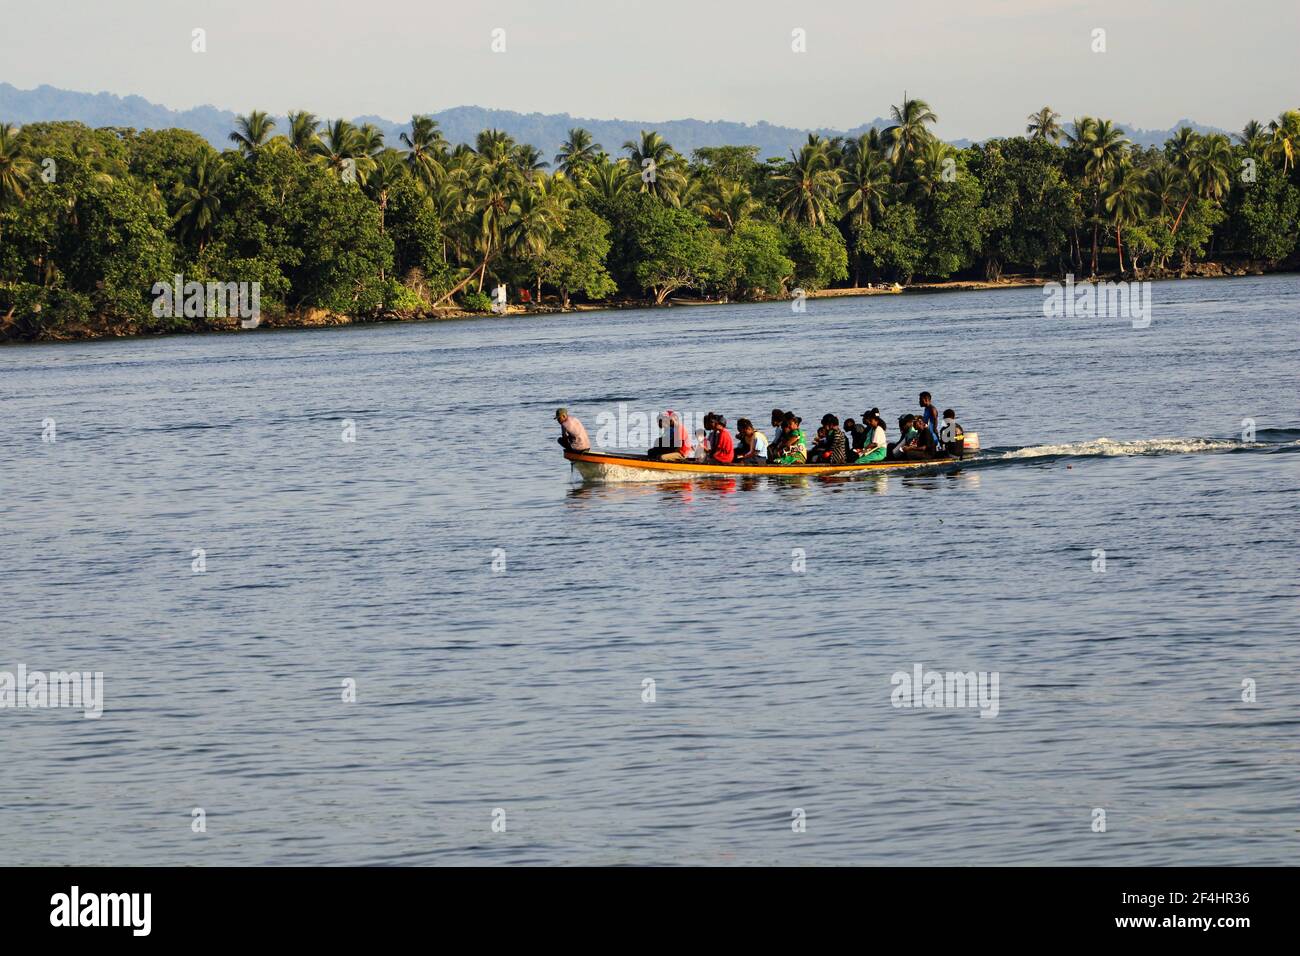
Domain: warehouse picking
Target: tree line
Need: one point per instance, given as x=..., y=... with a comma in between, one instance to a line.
x=327, y=216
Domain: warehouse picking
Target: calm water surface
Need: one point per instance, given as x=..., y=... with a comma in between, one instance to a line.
x=522, y=689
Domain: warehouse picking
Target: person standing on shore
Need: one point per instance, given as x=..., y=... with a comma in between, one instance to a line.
x=573, y=435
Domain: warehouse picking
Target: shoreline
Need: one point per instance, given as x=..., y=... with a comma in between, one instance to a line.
x=322, y=319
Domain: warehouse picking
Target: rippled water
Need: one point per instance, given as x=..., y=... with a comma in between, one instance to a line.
x=521, y=690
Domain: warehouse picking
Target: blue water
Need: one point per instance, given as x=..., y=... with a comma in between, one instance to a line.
x=521, y=689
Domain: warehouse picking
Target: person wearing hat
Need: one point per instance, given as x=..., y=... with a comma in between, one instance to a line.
x=573, y=435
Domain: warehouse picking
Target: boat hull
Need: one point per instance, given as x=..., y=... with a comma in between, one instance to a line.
x=598, y=466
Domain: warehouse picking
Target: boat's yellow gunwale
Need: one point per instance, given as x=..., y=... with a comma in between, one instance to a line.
x=703, y=468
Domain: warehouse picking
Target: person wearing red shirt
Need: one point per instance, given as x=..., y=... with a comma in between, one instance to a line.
x=723, y=448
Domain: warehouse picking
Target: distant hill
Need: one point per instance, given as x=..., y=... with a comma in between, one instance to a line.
x=460, y=124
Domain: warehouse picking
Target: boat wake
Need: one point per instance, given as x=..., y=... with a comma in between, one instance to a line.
x=1268, y=440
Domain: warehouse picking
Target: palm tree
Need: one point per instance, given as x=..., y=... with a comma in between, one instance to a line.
x=200, y=196
x=610, y=180
x=15, y=171
x=1044, y=125
x=253, y=132
x=659, y=166
x=1125, y=201
x=371, y=140
x=494, y=146
x=577, y=153
x=529, y=159
x=867, y=182
x=1254, y=136
x=302, y=131
x=15, y=167
x=426, y=150
x=1101, y=147
x=727, y=203
x=909, y=129
x=930, y=163
x=342, y=151
x=1207, y=163
x=808, y=186
x=387, y=171
x=1285, y=132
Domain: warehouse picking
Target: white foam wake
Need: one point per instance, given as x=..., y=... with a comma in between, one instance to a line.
x=1143, y=446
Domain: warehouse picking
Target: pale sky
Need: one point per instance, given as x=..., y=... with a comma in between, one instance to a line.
x=981, y=64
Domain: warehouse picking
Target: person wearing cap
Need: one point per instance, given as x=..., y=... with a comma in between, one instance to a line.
x=722, y=450
x=573, y=435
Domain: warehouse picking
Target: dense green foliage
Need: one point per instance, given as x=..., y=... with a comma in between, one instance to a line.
x=329, y=217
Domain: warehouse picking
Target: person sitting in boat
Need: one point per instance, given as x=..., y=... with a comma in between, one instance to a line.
x=673, y=443
x=702, y=446
x=778, y=418
x=952, y=434
x=907, y=435
x=917, y=443
x=858, y=433
x=751, y=448
x=573, y=435
x=875, y=447
x=832, y=446
x=792, y=448
x=721, y=448
x=819, y=440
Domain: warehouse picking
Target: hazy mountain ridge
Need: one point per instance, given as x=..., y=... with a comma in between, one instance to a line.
x=460, y=124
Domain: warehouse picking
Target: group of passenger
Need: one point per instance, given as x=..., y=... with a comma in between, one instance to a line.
x=922, y=437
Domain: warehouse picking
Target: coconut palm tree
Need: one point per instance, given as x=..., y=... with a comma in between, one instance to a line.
x=302, y=131
x=15, y=167
x=608, y=180
x=388, y=171
x=342, y=150
x=371, y=140
x=867, y=184
x=909, y=129
x=930, y=163
x=1100, y=147
x=808, y=186
x=252, y=132
x=1126, y=198
x=426, y=150
x=1207, y=163
x=659, y=165
x=1044, y=125
x=727, y=203
x=529, y=159
x=1285, y=132
x=15, y=171
x=576, y=153
x=494, y=146
x=200, y=198
x=1254, y=136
